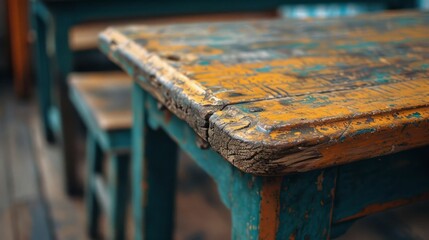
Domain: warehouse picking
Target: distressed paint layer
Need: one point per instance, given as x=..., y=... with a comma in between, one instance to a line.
x=269, y=215
x=275, y=97
x=375, y=185
x=307, y=205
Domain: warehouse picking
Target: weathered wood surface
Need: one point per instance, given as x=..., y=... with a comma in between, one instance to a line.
x=283, y=96
x=107, y=95
x=304, y=205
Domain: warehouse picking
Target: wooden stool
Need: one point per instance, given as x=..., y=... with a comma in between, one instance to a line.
x=103, y=102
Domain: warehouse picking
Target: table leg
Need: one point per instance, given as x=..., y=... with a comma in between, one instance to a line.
x=94, y=158
x=68, y=115
x=118, y=190
x=297, y=206
x=42, y=72
x=154, y=166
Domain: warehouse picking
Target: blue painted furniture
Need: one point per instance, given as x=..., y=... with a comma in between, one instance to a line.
x=52, y=21
x=329, y=10
x=103, y=101
x=287, y=157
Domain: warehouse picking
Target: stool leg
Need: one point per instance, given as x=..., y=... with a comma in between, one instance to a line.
x=94, y=167
x=297, y=206
x=154, y=160
x=42, y=73
x=118, y=190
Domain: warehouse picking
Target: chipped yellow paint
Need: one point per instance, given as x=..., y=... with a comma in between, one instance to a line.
x=279, y=96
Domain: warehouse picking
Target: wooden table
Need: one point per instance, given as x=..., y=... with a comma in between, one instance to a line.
x=282, y=114
x=52, y=21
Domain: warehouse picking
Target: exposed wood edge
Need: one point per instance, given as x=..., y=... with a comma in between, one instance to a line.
x=189, y=102
x=380, y=207
x=270, y=208
x=271, y=157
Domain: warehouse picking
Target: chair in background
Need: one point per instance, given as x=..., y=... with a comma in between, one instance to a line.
x=103, y=101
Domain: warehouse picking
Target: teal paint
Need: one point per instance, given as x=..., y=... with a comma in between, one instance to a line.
x=382, y=77
x=94, y=158
x=210, y=161
x=307, y=70
x=399, y=176
x=309, y=100
x=159, y=184
x=341, y=228
x=137, y=154
x=54, y=122
x=245, y=197
x=361, y=45
x=118, y=195
x=324, y=10
x=264, y=69
x=317, y=102
x=204, y=63
x=364, y=131
x=102, y=143
x=315, y=68
x=306, y=205
x=239, y=192
x=309, y=202
x=110, y=141
x=154, y=162
x=414, y=115
x=42, y=71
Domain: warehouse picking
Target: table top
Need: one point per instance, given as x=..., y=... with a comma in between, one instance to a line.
x=281, y=96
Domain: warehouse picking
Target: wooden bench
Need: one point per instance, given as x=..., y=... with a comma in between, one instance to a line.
x=103, y=101
x=305, y=126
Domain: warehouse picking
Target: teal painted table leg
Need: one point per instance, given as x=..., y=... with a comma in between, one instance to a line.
x=42, y=72
x=292, y=207
x=118, y=189
x=68, y=114
x=94, y=167
x=154, y=160
x=297, y=205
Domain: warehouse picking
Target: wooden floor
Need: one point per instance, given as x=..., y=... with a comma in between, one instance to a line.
x=33, y=205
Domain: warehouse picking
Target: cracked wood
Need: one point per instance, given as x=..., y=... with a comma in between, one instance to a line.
x=280, y=96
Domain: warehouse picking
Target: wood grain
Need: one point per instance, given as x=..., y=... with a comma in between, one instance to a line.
x=108, y=95
x=276, y=96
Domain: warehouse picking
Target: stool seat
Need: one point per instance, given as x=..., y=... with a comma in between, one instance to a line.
x=106, y=96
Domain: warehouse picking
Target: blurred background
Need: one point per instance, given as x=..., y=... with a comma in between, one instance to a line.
x=33, y=203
